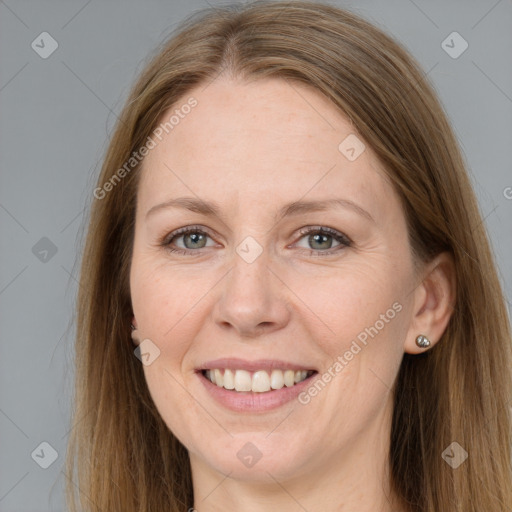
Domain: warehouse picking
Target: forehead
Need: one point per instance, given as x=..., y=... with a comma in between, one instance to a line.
x=265, y=140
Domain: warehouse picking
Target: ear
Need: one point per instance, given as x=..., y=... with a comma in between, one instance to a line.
x=135, y=334
x=434, y=301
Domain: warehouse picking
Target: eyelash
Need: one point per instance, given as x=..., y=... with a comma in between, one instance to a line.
x=339, y=237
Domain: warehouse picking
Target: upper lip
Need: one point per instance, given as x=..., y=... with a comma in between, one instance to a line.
x=234, y=363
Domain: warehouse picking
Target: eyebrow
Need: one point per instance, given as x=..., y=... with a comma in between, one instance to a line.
x=212, y=209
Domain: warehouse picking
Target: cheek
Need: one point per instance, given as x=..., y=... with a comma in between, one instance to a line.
x=359, y=325
x=167, y=304
x=362, y=325
x=176, y=406
x=164, y=301
x=170, y=308
x=344, y=303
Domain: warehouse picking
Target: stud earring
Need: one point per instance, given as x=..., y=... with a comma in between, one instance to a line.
x=422, y=341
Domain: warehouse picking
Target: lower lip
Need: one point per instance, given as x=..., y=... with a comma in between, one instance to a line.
x=249, y=401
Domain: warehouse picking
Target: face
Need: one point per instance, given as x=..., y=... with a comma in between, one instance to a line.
x=266, y=293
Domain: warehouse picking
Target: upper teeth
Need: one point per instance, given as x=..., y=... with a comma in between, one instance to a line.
x=259, y=382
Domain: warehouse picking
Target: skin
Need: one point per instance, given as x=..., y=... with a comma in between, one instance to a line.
x=253, y=147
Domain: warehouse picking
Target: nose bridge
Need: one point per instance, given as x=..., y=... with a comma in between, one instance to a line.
x=252, y=297
x=250, y=274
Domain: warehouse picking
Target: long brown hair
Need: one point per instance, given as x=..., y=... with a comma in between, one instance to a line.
x=125, y=457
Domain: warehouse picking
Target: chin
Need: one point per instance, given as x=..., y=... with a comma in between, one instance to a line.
x=254, y=457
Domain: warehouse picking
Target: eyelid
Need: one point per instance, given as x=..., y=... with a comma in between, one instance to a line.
x=185, y=230
x=327, y=231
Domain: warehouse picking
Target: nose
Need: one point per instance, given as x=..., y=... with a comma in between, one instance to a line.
x=253, y=300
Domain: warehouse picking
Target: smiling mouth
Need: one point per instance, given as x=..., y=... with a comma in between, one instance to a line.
x=259, y=381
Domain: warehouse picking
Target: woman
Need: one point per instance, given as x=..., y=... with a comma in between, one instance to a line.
x=285, y=236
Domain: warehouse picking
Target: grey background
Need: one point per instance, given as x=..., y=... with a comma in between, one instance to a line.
x=56, y=115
